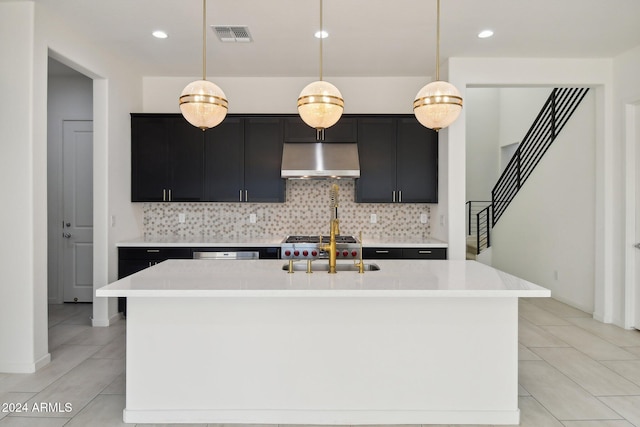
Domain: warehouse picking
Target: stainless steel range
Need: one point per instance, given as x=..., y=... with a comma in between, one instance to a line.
x=308, y=247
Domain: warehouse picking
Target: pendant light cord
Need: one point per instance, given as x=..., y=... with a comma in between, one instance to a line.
x=321, y=37
x=438, y=43
x=204, y=39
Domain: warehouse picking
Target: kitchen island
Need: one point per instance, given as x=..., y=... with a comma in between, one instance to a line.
x=246, y=342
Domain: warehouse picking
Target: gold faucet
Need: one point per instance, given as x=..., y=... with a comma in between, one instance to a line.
x=331, y=246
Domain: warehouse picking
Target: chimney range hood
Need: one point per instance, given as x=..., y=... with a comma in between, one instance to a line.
x=320, y=160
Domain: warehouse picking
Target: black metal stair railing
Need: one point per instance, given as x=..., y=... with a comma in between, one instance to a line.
x=479, y=223
x=554, y=115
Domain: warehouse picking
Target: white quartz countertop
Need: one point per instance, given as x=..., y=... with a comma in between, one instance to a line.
x=378, y=242
x=266, y=278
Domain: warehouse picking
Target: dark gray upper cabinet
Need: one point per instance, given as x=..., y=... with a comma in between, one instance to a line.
x=263, y=160
x=237, y=161
x=224, y=161
x=296, y=130
x=398, y=161
x=166, y=159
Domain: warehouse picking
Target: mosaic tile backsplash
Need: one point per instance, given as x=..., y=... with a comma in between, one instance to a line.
x=306, y=211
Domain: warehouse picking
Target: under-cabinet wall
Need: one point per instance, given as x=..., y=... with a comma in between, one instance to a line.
x=306, y=211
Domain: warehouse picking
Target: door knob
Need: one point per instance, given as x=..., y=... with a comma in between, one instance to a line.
x=637, y=245
x=66, y=235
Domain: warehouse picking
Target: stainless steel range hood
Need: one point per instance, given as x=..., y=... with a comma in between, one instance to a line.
x=320, y=160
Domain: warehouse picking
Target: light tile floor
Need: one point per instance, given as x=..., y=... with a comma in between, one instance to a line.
x=573, y=372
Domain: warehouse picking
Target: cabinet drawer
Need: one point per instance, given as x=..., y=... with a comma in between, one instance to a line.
x=382, y=253
x=154, y=253
x=424, y=253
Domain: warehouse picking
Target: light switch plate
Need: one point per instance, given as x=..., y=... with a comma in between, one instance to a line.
x=182, y=218
x=374, y=218
x=423, y=218
x=252, y=218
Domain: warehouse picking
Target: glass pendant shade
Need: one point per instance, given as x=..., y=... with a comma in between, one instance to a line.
x=437, y=105
x=203, y=104
x=320, y=104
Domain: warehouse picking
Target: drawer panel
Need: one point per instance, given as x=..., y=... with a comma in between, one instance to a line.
x=154, y=253
x=424, y=253
x=382, y=253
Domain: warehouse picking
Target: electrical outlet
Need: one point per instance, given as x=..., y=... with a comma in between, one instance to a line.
x=113, y=220
x=182, y=218
x=374, y=218
x=252, y=218
x=442, y=220
x=423, y=218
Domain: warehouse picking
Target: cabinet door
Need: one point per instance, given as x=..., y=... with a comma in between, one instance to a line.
x=382, y=253
x=424, y=253
x=149, y=158
x=263, y=160
x=377, y=152
x=296, y=130
x=224, y=161
x=416, y=162
x=186, y=161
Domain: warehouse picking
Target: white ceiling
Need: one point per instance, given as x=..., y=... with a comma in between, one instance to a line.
x=367, y=37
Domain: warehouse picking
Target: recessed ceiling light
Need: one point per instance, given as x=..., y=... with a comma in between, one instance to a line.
x=321, y=34
x=485, y=34
x=159, y=34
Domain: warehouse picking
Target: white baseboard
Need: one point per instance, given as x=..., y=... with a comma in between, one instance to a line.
x=103, y=323
x=25, y=368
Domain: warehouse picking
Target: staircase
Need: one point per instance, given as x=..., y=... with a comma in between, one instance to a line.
x=554, y=115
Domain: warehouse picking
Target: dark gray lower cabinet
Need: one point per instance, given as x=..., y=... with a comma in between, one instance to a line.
x=132, y=260
x=404, y=253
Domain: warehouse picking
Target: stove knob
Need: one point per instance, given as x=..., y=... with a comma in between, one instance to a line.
x=287, y=253
x=337, y=253
x=305, y=253
x=345, y=253
x=314, y=253
x=296, y=253
x=354, y=253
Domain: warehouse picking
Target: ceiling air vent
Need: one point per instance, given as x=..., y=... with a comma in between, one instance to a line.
x=232, y=33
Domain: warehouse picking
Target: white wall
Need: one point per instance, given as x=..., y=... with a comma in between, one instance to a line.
x=627, y=219
x=546, y=234
x=21, y=329
x=518, y=109
x=482, y=138
x=598, y=74
x=117, y=91
x=68, y=98
x=28, y=33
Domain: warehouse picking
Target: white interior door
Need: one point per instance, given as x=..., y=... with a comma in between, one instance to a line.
x=77, y=171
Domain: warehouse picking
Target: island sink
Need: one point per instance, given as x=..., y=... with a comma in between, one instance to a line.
x=324, y=266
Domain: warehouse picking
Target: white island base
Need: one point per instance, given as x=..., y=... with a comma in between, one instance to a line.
x=318, y=350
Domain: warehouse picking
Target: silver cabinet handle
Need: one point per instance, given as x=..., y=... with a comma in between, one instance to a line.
x=394, y=196
x=246, y=196
x=424, y=252
x=382, y=252
x=66, y=235
x=400, y=196
x=153, y=250
x=240, y=195
x=170, y=199
x=164, y=195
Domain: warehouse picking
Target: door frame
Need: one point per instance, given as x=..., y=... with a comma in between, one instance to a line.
x=632, y=275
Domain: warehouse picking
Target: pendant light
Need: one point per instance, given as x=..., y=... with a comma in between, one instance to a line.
x=320, y=103
x=203, y=103
x=439, y=103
